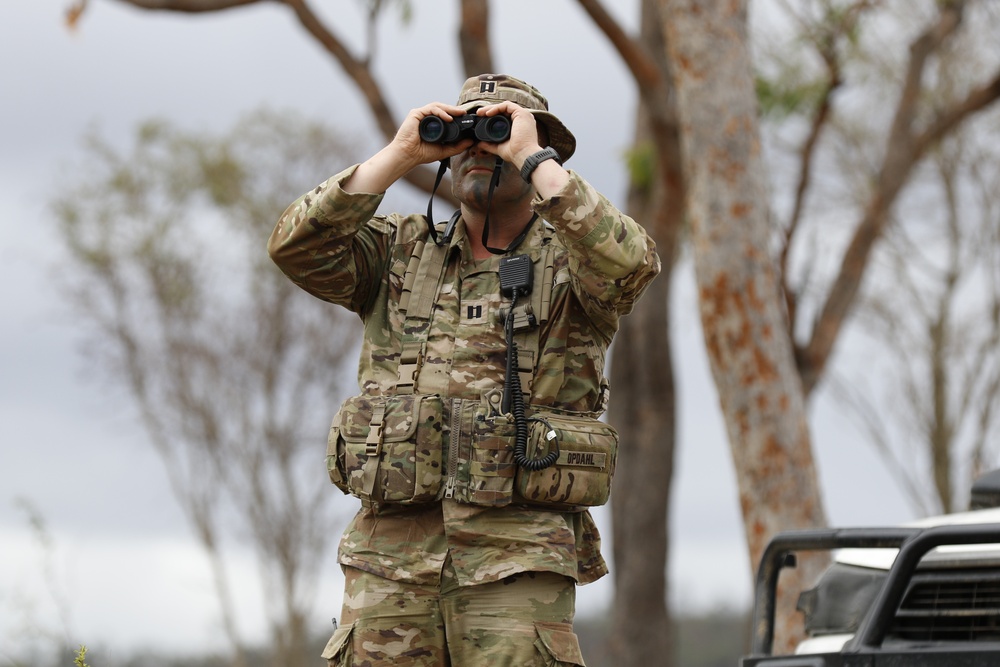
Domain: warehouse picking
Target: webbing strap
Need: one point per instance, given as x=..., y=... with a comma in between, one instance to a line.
x=373, y=450
x=548, y=275
x=424, y=273
x=425, y=286
x=410, y=276
x=526, y=370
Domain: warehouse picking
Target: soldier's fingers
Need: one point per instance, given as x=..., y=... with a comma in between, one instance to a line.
x=439, y=109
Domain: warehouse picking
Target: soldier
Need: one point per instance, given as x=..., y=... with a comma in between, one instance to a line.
x=474, y=445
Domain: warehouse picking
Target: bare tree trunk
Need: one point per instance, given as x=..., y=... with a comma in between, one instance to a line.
x=746, y=337
x=644, y=403
x=643, y=410
x=223, y=593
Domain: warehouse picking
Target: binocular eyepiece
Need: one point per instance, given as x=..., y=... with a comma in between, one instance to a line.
x=494, y=129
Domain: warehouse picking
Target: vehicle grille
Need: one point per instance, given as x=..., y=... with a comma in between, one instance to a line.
x=950, y=606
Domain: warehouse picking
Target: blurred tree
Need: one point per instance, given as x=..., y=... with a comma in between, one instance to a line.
x=643, y=404
x=895, y=145
x=931, y=409
x=828, y=92
x=233, y=369
x=764, y=376
x=738, y=284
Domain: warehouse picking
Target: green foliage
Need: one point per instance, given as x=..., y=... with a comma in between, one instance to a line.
x=81, y=657
x=224, y=177
x=405, y=11
x=784, y=97
x=795, y=69
x=640, y=161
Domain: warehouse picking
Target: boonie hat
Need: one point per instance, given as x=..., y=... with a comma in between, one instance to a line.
x=494, y=88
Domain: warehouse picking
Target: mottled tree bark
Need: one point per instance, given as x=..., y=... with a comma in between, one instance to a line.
x=745, y=331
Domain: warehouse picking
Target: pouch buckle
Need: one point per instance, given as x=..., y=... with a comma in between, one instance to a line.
x=373, y=443
x=411, y=358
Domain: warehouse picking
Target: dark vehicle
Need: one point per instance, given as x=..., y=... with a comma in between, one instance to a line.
x=926, y=594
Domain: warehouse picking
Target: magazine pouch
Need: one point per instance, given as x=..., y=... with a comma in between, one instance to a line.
x=491, y=456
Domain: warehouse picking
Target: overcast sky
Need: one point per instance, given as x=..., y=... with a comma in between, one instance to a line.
x=122, y=568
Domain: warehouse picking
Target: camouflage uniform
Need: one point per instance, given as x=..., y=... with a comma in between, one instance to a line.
x=334, y=245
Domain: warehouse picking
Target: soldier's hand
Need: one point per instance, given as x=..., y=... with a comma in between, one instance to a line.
x=406, y=151
x=412, y=149
x=524, y=139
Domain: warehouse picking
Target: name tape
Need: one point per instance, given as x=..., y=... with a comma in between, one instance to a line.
x=582, y=459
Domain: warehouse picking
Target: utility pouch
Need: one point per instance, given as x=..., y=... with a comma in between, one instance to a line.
x=581, y=476
x=389, y=448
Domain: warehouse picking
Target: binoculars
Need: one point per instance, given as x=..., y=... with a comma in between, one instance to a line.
x=494, y=129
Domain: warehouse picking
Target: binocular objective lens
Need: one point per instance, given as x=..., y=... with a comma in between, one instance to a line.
x=497, y=129
x=431, y=129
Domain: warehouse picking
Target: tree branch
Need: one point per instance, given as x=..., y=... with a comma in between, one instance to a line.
x=359, y=72
x=190, y=6
x=636, y=58
x=805, y=177
x=474, y=37
x=826, y=42
x=356, y=69
x=902, y=154
x=975, y=101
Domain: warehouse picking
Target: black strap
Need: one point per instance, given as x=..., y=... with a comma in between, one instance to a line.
x=450, y=227
x=486, y=222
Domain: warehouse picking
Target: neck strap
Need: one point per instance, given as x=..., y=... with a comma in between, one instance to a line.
x=450, y=227
x=486, y=221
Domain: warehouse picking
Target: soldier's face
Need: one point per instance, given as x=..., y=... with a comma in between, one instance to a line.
x=472, y=172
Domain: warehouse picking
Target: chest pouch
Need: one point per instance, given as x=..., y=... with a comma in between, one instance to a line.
x=388, y=449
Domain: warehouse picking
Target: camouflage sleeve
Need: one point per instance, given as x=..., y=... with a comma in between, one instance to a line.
x=612, y=259
x=329, y=243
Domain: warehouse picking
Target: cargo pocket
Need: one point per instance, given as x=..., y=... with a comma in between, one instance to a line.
x=338, y=649
x=581, y=476
x=558, y=645
x=491, y=464
x=392, y=447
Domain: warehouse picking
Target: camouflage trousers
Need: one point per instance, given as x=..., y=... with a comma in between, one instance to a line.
x=523, y=620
